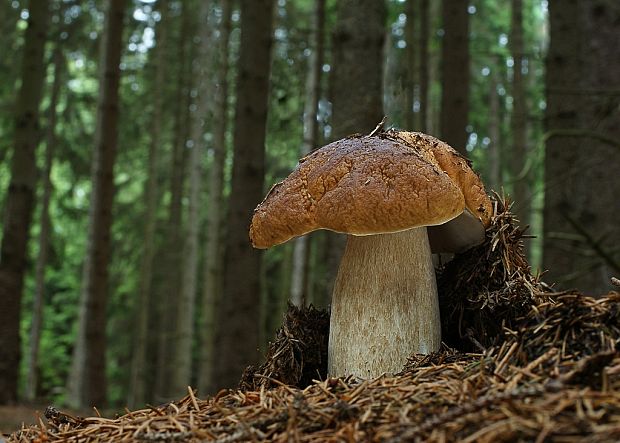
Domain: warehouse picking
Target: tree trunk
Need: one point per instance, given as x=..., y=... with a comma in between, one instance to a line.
x=356, y=88
x=138, y=359
x=434, y=69
x=182, y=370
x=44, y=233
x=520, y=174
x=20, y=198
x=299, y=276
x=455, y=74
x=238, y=329
x=494, y=158
x=410, y=71
x=213, y=247
x=87, y=383
x=581, y=232
x=9, y=29
x=276, y=283
x=424, y=64
x=395, y=74
x=171, y=254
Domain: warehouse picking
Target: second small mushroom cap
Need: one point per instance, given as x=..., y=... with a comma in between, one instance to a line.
x=366, y=185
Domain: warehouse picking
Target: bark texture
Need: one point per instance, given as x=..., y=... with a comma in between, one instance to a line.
x=87, y=383
x=434, y=70
x=581, y=229
x=519, y=164
x=385, y=305
x=495, y=152
x=455, y=74
x=356, y=83
x=411, y=71
x=20, y=198
x=138, y=358
x=44, y=233
x=238, y=327
x=423, y=51
x=170, y=261
x=215, y=204
x=299, y=275
x=184, y=332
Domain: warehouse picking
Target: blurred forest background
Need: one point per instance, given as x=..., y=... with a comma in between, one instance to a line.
x=137, y=136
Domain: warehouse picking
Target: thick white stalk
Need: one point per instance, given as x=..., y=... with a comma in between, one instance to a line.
x=385, y=305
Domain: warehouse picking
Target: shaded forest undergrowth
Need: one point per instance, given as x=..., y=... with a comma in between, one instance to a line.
x=520, y=363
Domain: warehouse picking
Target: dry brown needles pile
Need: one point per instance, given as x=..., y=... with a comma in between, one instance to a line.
x=521, y=363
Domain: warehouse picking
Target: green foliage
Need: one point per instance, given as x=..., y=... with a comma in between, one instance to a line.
x=76, y=29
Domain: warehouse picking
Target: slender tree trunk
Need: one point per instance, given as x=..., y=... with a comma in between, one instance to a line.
x=410, y=71
x=317, y=295
x=519, y=163
x=213, y=247
x=187, y=301
x=424, y=64
x=276, y=284
x=39, y=294
x=20, y=198
x=581, y=229
x=299, y=273
x=171, y=254
x=455, y=74
x=138, y=359
x=9, y=28
x=356, y=88
x=87, y=383
x=434, y=69
x=299, y=277
x=494, y=161
x=395, y=74
x=237, y=336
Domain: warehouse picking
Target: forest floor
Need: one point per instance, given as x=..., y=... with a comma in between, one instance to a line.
x=528, y=364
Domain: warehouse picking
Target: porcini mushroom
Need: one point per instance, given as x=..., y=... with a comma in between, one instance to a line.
x=383, y=191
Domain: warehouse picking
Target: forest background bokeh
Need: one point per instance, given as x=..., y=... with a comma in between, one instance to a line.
x=137, y=136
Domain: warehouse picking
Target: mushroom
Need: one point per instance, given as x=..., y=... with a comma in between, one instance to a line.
x=391, y=193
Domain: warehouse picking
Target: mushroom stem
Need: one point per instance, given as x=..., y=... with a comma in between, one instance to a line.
x=384, y=306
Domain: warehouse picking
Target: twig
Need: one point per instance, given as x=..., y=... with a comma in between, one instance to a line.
x=379, y=127
x=193, y=398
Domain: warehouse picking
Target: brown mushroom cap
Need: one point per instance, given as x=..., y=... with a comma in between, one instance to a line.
x=456, y=166
x=361, y=185
x=467, y=229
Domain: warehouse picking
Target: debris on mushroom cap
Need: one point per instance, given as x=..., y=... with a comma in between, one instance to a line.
x=456, y=166
x=467, y=229
x=359, y=185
